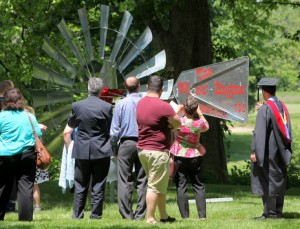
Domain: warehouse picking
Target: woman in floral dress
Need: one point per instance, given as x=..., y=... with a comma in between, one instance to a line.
x=188, y=153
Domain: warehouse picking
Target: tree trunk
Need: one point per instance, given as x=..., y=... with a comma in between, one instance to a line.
x=188, y=45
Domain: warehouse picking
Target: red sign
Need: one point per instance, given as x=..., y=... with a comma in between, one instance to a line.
x=240, y=107
x=184, y=88
x=203, y=73
x=228, y=90
x=212, y=111
x=200, y=90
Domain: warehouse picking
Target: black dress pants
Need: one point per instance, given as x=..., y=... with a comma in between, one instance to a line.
x=25, y=177
x=21, y=167
x=95, y=170
x=8, y=165
x=189, y=168
x=273, y=206
x=127, y=158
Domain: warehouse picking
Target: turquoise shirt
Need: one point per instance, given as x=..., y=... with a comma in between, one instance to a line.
x=16, y=133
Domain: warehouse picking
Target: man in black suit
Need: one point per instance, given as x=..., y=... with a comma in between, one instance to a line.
x=92, y=149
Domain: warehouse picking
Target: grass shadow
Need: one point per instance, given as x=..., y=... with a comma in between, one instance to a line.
x=291, y=215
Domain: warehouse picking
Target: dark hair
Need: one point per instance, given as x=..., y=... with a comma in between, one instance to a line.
x=6, y=85
x=190, y=105
x=13, y=100
x=270, y=89
x=155, y=83
x=131, y=84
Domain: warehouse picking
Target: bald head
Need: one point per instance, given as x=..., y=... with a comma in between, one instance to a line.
x=132, y=84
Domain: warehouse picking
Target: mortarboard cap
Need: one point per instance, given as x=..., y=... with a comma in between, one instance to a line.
x=268, y=82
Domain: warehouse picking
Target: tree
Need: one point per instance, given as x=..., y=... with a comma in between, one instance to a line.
x=182, y=28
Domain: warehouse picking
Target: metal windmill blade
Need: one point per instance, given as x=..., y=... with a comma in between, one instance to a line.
x=81, y=55
x=221, y=88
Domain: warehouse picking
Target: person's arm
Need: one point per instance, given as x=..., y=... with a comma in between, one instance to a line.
x=36, y=126
x=259, y=137
x=258, y=105
x=115, y=129
x=174, y=122
x=73, y=120
x=67, y=135
x=42, y=127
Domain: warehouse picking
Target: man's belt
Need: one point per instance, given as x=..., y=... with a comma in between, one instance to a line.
x=129, y=138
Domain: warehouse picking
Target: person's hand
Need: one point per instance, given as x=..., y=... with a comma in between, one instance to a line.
x=258, y=105
x=179, y=108
x=42, y=127
x=253, y=157
x=199, y=112
x=202, y=153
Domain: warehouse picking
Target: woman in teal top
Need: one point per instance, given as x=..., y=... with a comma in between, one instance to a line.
x=17, y=155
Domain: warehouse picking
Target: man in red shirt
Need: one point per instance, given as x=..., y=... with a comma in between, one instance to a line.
x=155, y=120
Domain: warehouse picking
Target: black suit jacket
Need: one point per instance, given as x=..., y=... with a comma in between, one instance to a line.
x=93, y=117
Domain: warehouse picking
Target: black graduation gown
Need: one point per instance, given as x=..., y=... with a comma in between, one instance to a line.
x=273, y=155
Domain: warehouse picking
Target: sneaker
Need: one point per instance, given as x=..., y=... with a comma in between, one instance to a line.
x=37, y=208
x=168, y=220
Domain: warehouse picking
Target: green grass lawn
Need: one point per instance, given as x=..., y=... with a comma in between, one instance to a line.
x=239, y=213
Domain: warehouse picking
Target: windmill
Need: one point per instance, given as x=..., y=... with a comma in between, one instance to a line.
x=111, y=54
x=83, y=56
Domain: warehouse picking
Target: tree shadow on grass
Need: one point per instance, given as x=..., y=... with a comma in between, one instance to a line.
x=291, y=215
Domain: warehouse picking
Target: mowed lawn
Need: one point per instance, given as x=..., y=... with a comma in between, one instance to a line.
x=239, y=213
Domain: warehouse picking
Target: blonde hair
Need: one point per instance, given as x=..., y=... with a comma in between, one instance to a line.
x=29, y=109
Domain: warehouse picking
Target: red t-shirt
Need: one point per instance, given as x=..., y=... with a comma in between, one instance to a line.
x=152, y=118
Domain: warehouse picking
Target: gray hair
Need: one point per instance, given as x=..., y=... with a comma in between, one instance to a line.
x=95, y=86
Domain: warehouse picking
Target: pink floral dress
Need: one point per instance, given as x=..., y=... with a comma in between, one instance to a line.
x=187, y=138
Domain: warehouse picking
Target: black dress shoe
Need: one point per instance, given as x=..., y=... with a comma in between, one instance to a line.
x=10, y=207
x=168, y=220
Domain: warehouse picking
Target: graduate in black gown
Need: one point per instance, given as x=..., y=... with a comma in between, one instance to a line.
x=271, y=151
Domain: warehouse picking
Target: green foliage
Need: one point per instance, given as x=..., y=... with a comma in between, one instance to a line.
x=293, y=177
x=240, y=175
x=54, y=169
x=255, y=29
x=296, y=150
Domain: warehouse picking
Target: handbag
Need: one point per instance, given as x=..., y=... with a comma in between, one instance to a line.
x=43, y=159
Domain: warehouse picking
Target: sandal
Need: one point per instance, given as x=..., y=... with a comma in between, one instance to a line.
x=152, y=221
x=37, y=208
